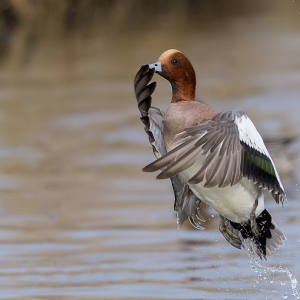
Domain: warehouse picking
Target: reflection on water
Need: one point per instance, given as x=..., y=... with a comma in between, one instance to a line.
x=79, y=220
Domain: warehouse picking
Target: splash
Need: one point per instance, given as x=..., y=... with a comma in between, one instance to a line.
x=255, y=264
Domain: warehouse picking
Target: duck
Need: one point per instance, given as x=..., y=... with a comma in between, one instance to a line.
x=218, y=158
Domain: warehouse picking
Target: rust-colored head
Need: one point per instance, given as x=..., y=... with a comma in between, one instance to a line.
x=178, y=70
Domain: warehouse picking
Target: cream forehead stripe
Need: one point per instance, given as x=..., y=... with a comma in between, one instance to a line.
x=168, y=53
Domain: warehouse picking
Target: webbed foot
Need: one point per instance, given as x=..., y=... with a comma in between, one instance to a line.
x=229, y=234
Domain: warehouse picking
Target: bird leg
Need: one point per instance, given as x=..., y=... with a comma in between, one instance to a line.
x=254, y=227
x=229, y=235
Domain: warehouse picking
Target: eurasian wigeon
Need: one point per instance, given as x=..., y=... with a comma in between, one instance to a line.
x=215, y=157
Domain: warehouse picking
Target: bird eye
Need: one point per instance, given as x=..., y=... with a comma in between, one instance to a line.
x=174, y=61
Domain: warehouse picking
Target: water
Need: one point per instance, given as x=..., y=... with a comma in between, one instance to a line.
x=78, y=218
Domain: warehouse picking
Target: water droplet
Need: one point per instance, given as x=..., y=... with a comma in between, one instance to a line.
x=255, y=265
x=295, y=294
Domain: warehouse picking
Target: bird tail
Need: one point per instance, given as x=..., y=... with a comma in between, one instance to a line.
x=263, y=243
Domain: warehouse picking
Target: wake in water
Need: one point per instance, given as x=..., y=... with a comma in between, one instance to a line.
x=256, y=266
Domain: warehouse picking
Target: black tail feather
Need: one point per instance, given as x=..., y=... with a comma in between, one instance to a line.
x=265, y=225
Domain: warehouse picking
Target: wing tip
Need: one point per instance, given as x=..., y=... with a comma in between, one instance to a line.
x=149, y=168
x=152, y=168
x=142, y=72
x=163, y=175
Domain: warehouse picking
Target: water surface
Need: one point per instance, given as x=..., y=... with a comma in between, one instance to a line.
x=79, y=219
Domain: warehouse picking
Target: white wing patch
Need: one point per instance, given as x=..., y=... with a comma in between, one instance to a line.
x=250, y=136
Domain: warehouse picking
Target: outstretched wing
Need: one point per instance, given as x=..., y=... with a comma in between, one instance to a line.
x=187, y=205
x=232, y=148
x=151, y=117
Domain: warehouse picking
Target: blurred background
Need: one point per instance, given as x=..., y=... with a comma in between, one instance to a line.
x=78, y=218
